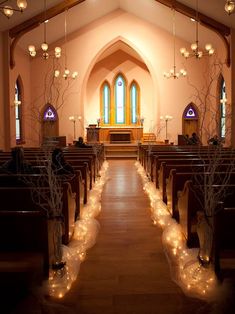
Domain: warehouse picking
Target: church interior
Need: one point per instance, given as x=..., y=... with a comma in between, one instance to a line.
x=136, y=212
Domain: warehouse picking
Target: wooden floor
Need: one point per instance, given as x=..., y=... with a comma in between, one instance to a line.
x=126, y=271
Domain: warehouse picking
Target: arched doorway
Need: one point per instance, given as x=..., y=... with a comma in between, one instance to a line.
x=50, y=125
x=190, y=120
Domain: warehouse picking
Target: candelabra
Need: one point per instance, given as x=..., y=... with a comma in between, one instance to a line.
x=74, y=119
x=166, y=118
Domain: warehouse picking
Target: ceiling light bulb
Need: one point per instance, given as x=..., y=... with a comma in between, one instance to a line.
x=229, y=7
x=22, y=4
x=208, y=47
x=186, y=54
x=211, y=51
x=44, y=46
x=7, y=10
x=75, y=74
x=182, y=50
x=31, y=48
x=57, y=73
x=194, y=46
x=57, y=49
x=200, y=54
x=32, y=53
x=66, y=72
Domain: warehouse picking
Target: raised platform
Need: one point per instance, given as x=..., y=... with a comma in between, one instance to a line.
x=121, y=150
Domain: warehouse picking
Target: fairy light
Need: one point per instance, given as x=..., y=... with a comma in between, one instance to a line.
x=191, y=276
x=84, y=237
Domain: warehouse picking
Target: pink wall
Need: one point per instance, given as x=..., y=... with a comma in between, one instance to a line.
x=154, y=46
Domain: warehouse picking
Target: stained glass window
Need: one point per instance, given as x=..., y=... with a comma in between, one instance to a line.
x=120, y=100
x=106, y=103
x=134, y=102
x=190, y=113
x=17, y=103
x=49, y=114
x=222, y=108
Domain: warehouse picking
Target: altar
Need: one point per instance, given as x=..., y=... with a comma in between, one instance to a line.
x=125, y=134
x=113, y=134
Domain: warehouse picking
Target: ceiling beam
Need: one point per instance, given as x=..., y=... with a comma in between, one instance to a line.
x=18, y=31
x=222, y=30
x=42, y=17
x=191, y=13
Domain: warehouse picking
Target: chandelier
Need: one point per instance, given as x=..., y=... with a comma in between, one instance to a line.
x=8, y=10
x=229, y=7
x=196, y=52
x=66, y=73
x=44, y=45
x=173, y=73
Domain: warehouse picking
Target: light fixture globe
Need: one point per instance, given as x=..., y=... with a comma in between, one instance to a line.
x=22, y=4
x=229, y=7
x=31, y=48
x=194, y=46
x=44, y=46
x=8, y=11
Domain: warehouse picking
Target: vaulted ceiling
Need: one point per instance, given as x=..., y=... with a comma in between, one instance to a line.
x=89, y=10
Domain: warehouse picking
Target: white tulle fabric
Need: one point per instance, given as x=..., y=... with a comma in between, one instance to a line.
x=84, y=237
x=186, y=271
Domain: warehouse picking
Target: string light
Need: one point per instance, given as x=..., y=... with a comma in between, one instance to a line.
x=86, y=229
x=190, y=275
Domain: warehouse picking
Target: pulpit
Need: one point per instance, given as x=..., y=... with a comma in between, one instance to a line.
x=93, y=134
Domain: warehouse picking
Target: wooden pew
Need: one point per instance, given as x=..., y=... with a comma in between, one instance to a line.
x=224, y=239
x=190, y=202
x=196, y=174
x=27, y=199
x=26, y=243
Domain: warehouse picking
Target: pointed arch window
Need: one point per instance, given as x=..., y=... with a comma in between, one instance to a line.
x=134, y=99
x=120, y=100
x=18, y=112
x=105, y=103
x=222, y=108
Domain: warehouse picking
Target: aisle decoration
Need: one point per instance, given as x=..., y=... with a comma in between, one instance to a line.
x=186, y=270
x=84, y=237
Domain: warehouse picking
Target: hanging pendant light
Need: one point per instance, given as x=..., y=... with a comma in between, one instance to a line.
x=44, y=45
x=195, y=50
x=66, y=73
x=173, y=73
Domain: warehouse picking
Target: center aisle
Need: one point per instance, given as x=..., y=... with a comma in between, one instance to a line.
x=127, y=271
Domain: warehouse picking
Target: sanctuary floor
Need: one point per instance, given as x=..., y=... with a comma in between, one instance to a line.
x=126, y=272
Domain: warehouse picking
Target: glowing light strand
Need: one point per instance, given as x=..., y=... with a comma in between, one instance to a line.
x=187, y=272
x=85, y=232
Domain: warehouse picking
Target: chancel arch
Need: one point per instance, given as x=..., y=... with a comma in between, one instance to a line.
x=190, y=120
x=50, y=123
x=120, y=57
